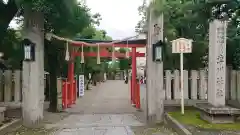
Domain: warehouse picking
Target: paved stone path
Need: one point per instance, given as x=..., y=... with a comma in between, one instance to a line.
x=104, y=110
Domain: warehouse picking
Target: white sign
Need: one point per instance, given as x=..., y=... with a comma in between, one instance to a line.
x=182, y=45
x=81, y=85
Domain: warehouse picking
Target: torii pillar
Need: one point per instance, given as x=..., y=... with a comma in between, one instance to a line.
x=134, y=74
x=70, y=80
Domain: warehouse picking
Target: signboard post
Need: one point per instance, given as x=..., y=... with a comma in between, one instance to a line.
x=181, y=45
x=81, y=85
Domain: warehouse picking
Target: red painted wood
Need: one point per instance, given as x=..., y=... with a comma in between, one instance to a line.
x=70, y=80
x=137, y=95
x=134, y=74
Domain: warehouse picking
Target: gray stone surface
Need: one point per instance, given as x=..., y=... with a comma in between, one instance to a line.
x=105, y=110
x=99, y=120
x=96, y=131
x=217, y=63
x=214, y=114
x=217, y=118
x=218, y=110
x=2, y=111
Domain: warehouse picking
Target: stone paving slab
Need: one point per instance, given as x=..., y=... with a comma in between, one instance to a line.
x=96, y=120
x=97, y=124
x=104, y=110
x=97, y=131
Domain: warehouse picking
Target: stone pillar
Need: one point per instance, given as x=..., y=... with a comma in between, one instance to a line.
x=7, y=86
x=155, y=92
x=217, y=63
x=1, y=85
x=17, y=86
x=105, y=76
x=59, y=94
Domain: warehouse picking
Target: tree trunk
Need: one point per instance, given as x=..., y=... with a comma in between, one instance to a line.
x=53, y=89
x=33, y=72
x=52, y=53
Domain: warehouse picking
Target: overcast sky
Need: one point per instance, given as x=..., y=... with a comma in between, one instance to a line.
x=119, y=17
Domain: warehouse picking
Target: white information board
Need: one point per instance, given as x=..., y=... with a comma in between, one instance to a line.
x=81, y=85
x=182, y=45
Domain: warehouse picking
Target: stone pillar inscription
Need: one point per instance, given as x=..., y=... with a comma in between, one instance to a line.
x=217, y=63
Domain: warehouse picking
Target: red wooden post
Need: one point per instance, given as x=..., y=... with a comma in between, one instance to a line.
x=137, y=97
x=68, y=95
x=134, y=72
x=71, y=77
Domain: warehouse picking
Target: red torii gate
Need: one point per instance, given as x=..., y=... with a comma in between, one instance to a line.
x=133, y=44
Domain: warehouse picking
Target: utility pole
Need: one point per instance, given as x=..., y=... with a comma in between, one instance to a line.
x=155, y=92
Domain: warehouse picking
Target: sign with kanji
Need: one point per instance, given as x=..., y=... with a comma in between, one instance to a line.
x=182, y=45
x=81, y=85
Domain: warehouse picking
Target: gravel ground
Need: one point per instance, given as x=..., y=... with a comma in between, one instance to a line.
x=49, y=118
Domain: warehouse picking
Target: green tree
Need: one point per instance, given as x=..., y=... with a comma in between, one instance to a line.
x=13, y=53
x=124, y=63
x=46, y=15
x=190, y=19
x=9, y=9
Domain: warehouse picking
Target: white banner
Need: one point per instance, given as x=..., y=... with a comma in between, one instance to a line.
x=81, y=85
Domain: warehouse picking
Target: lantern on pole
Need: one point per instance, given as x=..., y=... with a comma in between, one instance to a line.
x=98, y=55
x=67, y=57
x=82, y=55
x=157, y=54
x=29, y=50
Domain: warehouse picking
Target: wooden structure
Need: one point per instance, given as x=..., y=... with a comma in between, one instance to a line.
x=133, y=44
x=195, y=87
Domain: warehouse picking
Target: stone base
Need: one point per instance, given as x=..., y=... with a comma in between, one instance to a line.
x=151, y=119
x=217, y=118
x=2, y=111
x=213, y=114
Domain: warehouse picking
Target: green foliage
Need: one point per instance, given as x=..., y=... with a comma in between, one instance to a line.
x=124, y=63
x=190, y=19
x=90, y=64
x=13, y=51
x=236, y=59
x=113, y=66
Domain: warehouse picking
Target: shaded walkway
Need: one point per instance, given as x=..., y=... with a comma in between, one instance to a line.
x=105, y=110
x=109, y=97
